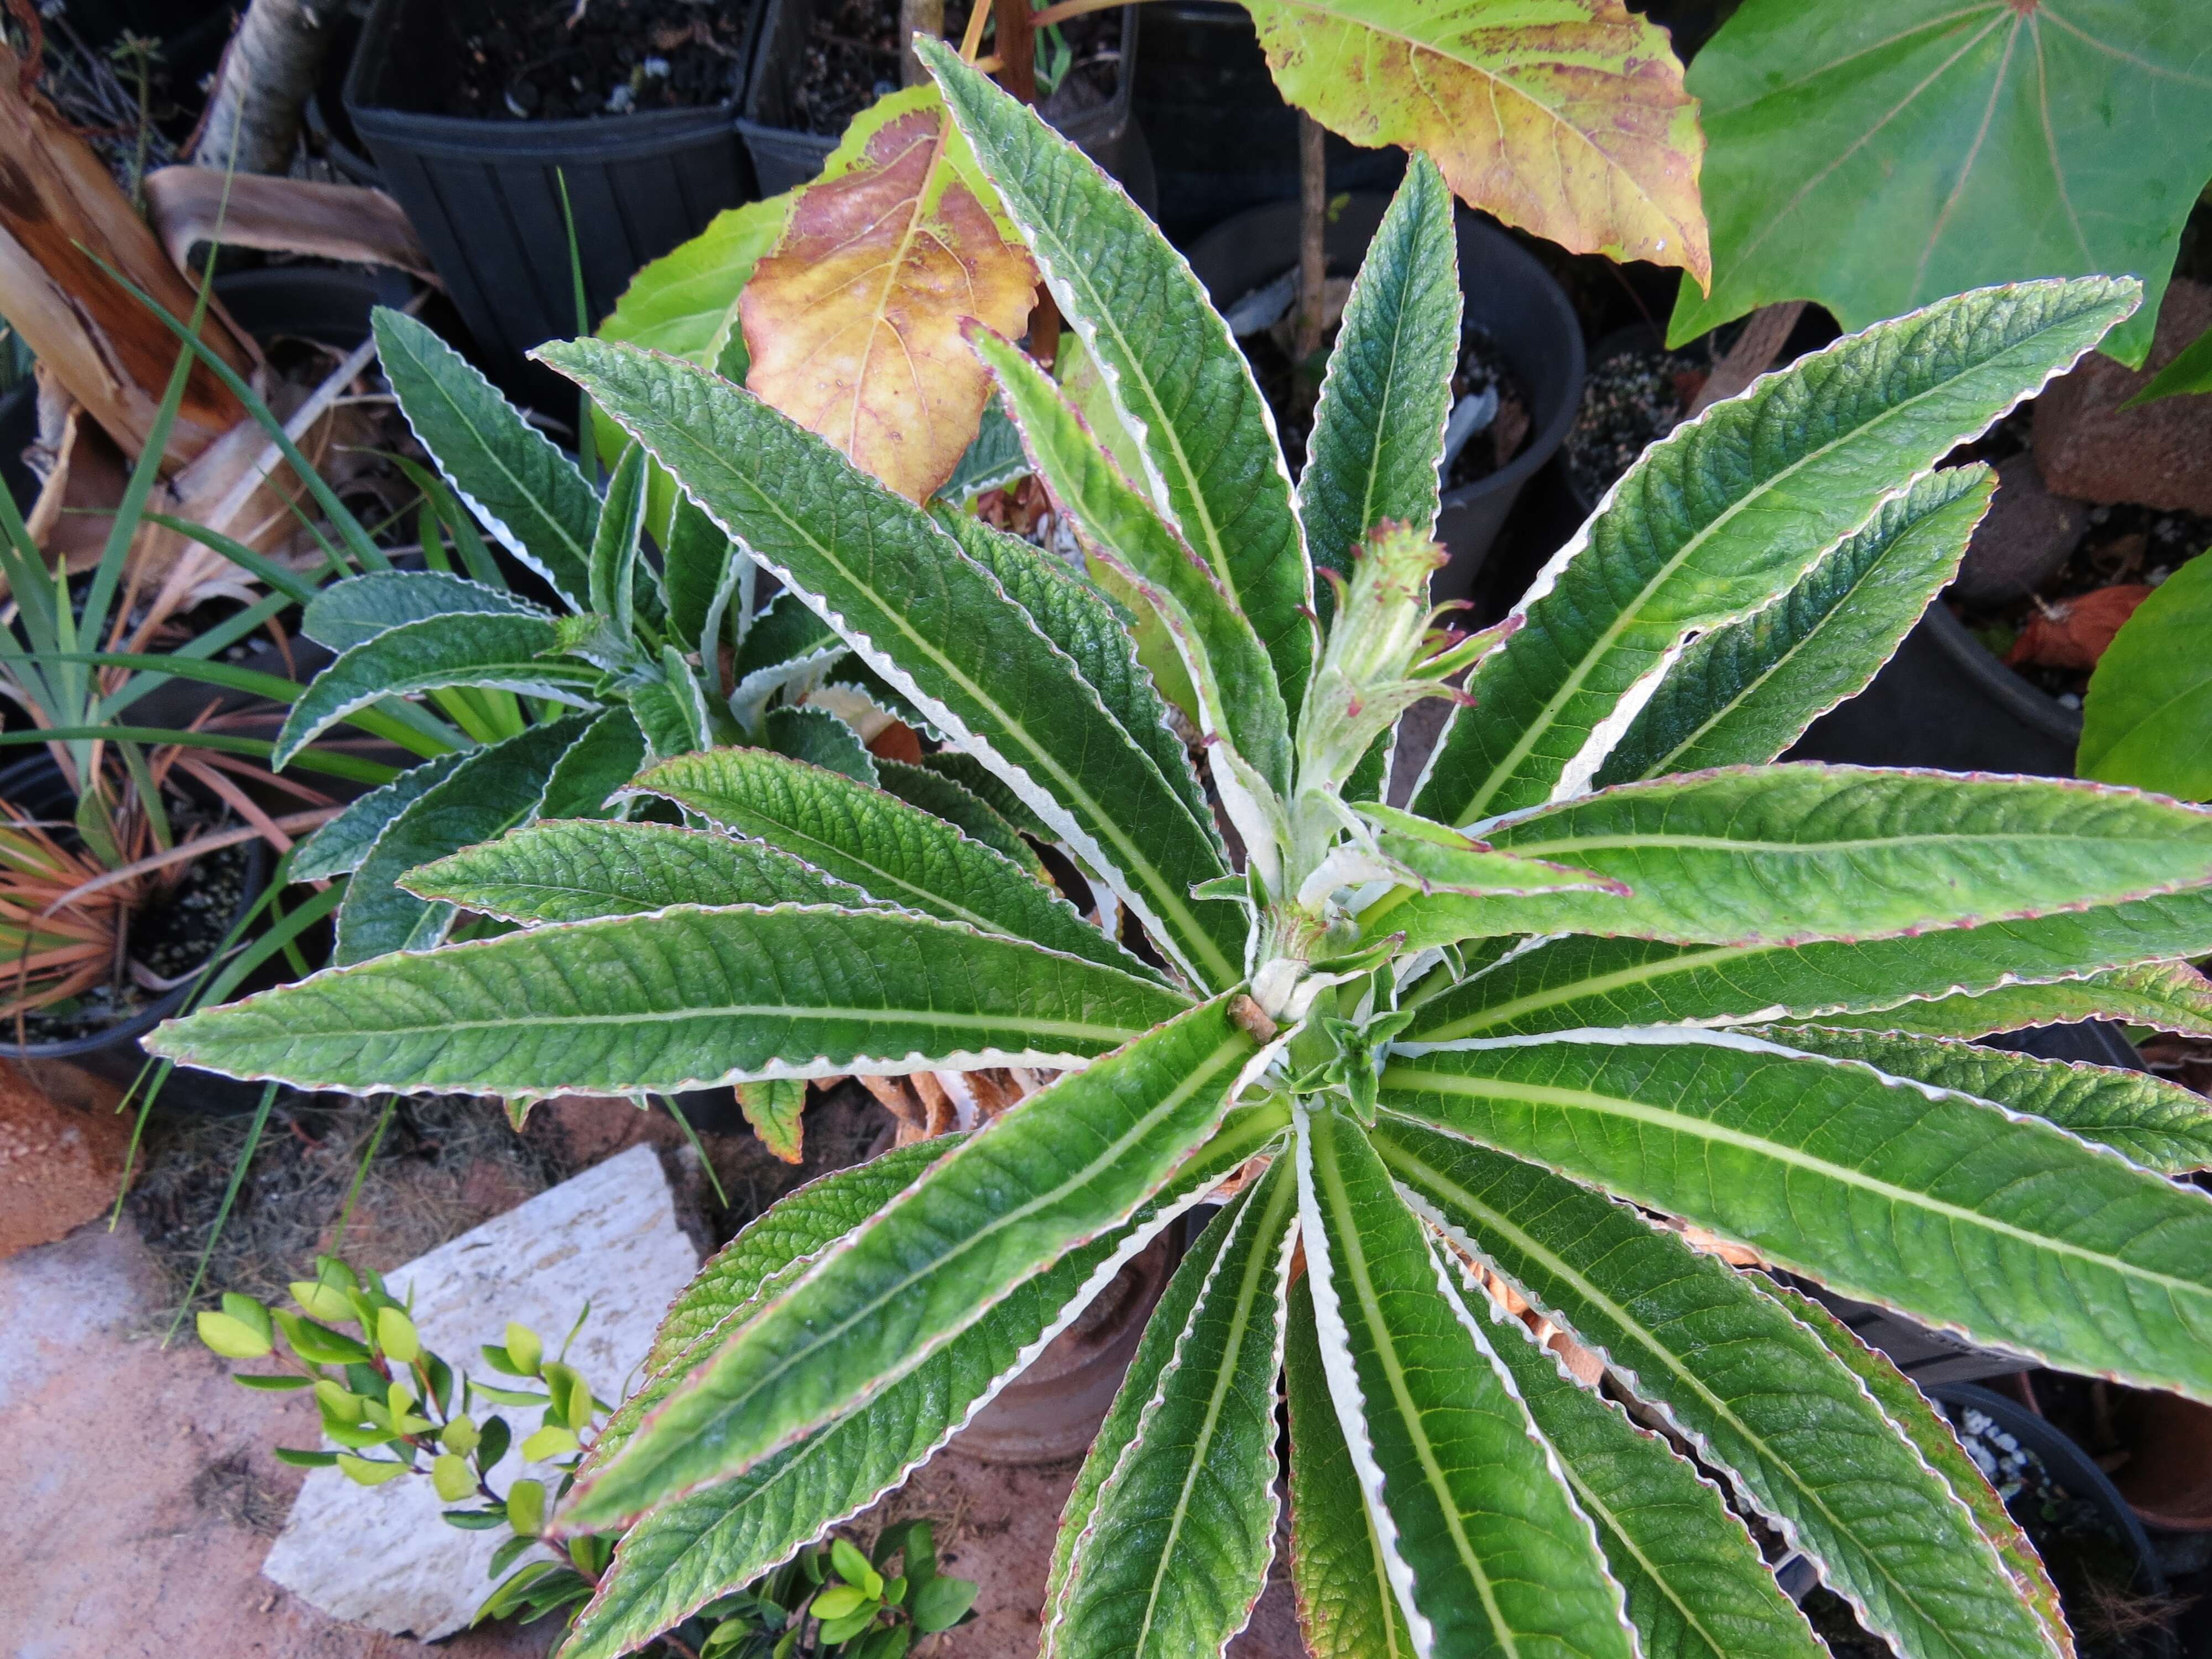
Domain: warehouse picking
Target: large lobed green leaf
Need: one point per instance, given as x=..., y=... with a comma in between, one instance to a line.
x=1174, y=1542
x=1488, y=1554
x=1069, y=1163
x=1724, y=515
x=1742, y=694
x=1181, y=385
x=1871, y=156
x=1569, y=984
x=934, y=623
x=1998, y=1226
x=1758, y=1394
x=681, y=999
x=1783, y=854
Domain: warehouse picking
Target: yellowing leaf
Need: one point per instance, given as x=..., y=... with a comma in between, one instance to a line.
x=853, y=323
x=1567, y=118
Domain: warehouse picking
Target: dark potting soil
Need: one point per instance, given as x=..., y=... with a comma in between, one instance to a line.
x=2089, y=1560
x=552, y=60
x=852, y=59
x=169, y=937
x=1630, y=399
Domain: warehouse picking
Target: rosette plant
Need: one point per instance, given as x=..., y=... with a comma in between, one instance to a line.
x=1613, y=966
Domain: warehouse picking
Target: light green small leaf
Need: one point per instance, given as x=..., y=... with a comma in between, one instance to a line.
x=548, y=1442
x=529, y=494
x=1743, y=693
x=396, y=1337
x=1091, y=1148
x=232, y=1337
x=1722, y=517
x=837, y=1602
x=942, y=1603
x=524, y=1348
x=1378, y=429
x=1932, y=1202
x=323, y=1299
x=526, y=1508
x=2190, y=372
x=451, y=1478
x=369, y=1471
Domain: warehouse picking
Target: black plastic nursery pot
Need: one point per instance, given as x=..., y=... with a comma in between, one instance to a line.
x=485, y=195
x=785, y=155
x=2084, y=1523
x=34, y=785
x=1223, y=138
x=1504, y=290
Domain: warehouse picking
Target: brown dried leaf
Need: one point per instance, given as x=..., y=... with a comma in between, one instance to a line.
x=2073, y=633
x=853, y=322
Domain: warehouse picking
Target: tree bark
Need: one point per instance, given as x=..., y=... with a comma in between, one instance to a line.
x=267, y=73
x=1313, y=239
x=62, y=216
x=917, y=17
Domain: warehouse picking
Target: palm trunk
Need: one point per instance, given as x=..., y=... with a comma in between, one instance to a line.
x=271, y=66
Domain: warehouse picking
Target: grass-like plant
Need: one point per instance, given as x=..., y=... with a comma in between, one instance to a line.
x=1613, y=964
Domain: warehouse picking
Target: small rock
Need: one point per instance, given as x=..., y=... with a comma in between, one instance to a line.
x=2160, y=454
x=380, y=1556
x=60, y=1163
x=2021, y=542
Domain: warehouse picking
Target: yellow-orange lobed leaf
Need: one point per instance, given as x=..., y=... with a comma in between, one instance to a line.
x=853, y=322
x=1566, y=118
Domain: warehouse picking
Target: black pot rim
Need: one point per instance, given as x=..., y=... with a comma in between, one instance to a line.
x=2007, y=689
x=2069, y=1464
x=124, y=1032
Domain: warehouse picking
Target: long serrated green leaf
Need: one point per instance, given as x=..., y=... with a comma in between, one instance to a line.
x=1565, y=985
x=2012, y=1232
x=1067, y=1163
x=936, y=793
x=529, y=494
x=1491, y=1552
x=874, y=840
x=1378, y=430
x=1090, y=627
x=683, y=998
x=1237, y=696
x=936, y=625
x=1174, y=1549
x=2148, y=1121
x=607, y=757
x=1754, y=1391
x=1183, y=388
x=615, y=544
x=513, y=652
x=578, y=870
x=1696, y=1587
x=2167, y=996
x=817, y=739
x=685, y=1554
x=338, y=847
x=1338, y=1572
x=345, y=613
x=488, y=792
x=1743, y=693
x=1932, y=1438
x=696, y=566
x=1724, y=515
x=1785, y=854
